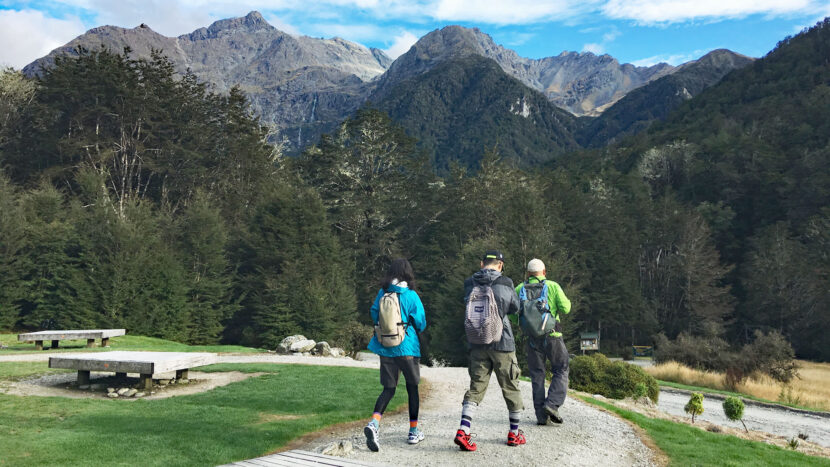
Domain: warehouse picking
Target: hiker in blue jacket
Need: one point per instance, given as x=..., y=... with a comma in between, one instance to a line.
x=396, y=355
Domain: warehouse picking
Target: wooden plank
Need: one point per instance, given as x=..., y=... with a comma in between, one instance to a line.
x=274, y=460
x=133, y=362
x=318, y=459
x=69, y=334
x=342, y=460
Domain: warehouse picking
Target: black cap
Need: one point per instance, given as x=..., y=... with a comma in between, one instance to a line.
x=492, y=254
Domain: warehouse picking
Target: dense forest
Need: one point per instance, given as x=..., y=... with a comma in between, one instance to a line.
x=130, y=197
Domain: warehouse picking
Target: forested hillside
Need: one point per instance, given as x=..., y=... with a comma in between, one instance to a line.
x=465, y=105
x=133, y=198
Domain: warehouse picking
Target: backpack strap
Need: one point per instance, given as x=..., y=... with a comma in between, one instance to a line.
x=523, y=292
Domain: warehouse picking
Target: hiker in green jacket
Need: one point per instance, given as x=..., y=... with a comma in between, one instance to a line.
x=548, y=346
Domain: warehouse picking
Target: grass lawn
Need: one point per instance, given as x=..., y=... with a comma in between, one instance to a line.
x=127, y=342
x=686, y=445
x=728, y=393
x=238, y=421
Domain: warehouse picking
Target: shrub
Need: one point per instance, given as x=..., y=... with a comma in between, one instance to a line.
x=733, y=408
x=353, y=337
x=710, y=352
x=695, y=405
x=618, y=380
x=772, y=354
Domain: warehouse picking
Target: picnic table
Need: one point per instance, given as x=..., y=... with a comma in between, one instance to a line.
x=56, y=336
x=145, y=364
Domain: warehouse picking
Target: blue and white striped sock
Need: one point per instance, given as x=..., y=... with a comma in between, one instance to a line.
x=514, y=422
x=467, y=412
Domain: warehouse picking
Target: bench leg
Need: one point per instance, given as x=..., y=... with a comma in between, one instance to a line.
x=121, y=375
x=146, y=382
x=55, y=344
x=38, y=345
x=90, y=343
x=83, y=377
x=105, y=342
x=181, y=374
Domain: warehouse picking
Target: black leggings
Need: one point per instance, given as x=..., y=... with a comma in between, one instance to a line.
x=389, y=393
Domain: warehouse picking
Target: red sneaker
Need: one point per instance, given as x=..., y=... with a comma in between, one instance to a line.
x=463, y=441
x=517, y=439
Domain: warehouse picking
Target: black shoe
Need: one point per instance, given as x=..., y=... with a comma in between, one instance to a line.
x=554, y=414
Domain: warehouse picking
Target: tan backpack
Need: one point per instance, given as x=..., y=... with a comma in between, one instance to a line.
x=390, y=330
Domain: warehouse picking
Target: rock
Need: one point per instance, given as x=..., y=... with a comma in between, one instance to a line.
x=285, y=345
x=122, y=391
x=96, y=387
x=337, y=352
x=83, y=387
x=164, y=382
x=184, y=381
x=112, y=395
x=131, y=393
x=110, y=390
x=139, y=394
x=341, y=449
x=599, y=396
x=645, y=402
x=302, y=346
x=323, y=349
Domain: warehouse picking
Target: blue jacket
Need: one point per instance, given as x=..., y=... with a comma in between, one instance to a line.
x=412, y=311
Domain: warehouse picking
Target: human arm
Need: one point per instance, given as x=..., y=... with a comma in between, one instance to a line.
x=418, y=317
x=376, y=307
x=558, y=300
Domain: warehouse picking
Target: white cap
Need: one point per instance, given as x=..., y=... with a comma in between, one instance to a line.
x=535, y=265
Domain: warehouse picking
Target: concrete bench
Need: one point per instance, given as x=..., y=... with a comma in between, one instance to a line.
x=146, y=364
x=56, y=336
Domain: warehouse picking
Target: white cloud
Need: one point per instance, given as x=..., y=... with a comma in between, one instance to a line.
x=671, y=59
x=514, y=12
x=26, y=35
x=594, y=48
x=667, y=11
x=400, y=44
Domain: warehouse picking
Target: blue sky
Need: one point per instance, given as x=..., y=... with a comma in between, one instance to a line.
x=642, y=32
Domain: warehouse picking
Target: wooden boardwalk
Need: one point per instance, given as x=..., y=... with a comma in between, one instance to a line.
x=298, y=458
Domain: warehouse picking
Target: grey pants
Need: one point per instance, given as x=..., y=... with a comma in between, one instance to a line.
x=552, y=349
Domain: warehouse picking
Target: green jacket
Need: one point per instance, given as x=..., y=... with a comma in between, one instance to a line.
x=559, y=303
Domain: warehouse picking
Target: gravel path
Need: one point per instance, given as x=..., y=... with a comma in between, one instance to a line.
x=776, y=421
x=588, y=437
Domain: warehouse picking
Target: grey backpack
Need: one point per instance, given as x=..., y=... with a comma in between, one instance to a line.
x=482, y=320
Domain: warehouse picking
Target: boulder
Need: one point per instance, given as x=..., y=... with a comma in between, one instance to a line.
x=302, y=346
x=322, y=349
x=139, y=394
x=164, y=382
x=112, y=395
x=131, y=393
x=340, y=449
x=337, y=352
x=285, y=345
x=110, y=390
x=122, y=391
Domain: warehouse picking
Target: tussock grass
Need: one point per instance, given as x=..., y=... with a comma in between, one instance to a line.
x=811, y=389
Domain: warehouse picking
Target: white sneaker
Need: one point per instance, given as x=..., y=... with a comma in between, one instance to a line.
x=415, y=437
x=372, y=441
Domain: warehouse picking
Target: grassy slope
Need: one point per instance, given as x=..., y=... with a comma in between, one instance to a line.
x=222, y=425
x=127, y=342
x=687, y=445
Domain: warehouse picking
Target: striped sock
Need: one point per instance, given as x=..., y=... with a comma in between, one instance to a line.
x=514, y=422
x=376, y=418
x=467, y=411
x=413, y=425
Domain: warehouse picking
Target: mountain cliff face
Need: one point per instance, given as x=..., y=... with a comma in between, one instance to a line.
x=654, y=101
x=582, y=83
x=302, y=85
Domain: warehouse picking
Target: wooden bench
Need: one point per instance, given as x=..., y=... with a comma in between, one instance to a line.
x=299, y=458
x=145, y=364
x=56, y=336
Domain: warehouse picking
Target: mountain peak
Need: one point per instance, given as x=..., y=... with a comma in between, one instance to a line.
x=252, y=22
